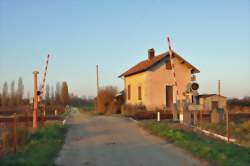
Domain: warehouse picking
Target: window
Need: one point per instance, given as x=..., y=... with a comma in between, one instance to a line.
x=168, y=65
x=139, y=93
x=129, y=92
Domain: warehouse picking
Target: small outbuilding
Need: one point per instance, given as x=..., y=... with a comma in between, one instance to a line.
x=211, y=102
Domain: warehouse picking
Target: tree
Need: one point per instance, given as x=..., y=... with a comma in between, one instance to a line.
x=12, y=93
x=0, y=99
x=58, y=93
x=5, y=94
x=52, y=99
x=28, y=95
x=105, y=99
x=20, y=90
x=47, y=95
x=64, y=94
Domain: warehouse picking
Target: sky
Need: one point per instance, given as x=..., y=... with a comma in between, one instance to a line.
x=213, y=35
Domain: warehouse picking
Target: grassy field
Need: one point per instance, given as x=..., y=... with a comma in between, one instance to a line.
x=40, y=149
x=239, y=131
x=216, y=152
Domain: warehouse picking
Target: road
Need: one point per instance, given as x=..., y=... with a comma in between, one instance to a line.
x=116, y=141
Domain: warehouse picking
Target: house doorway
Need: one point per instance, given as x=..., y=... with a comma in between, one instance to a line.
x=169, y=97
x=215, y=105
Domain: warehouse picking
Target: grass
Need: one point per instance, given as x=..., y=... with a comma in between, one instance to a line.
x=41, y=148
x=239, y=131
x=89, y=107
x=217, y=152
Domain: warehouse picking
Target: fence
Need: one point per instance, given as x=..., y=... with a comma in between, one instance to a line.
x=15, y=128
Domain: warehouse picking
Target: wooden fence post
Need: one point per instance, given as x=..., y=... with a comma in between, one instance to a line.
x=42, y=115
x=14, y=133
x=227, y=123
x=26, y=119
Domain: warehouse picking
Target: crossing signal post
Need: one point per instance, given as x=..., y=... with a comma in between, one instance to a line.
x=35, y=100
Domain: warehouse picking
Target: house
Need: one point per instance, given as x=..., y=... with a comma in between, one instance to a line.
x=211, y=102
x=151, y=83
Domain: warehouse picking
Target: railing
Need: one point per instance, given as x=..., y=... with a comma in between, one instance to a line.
x=14, y=129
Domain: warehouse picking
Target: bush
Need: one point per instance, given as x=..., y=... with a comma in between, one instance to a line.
x=132, y=110
x=105, y=100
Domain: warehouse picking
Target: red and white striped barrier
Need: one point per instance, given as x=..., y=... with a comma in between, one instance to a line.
x=173, y=68
x=174, y=77
x=44, y=75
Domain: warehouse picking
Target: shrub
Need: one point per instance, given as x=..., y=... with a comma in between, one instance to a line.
x=105, y=100
x=132, y=110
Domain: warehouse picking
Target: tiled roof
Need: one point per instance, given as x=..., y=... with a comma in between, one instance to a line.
x=146, y=64
x=209, y=95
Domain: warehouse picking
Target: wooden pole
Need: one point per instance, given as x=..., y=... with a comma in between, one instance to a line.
x=42, y=115
x=14, y=133
x=201, y=113
x=227, y=125
x=35, y=100
x=98, y=88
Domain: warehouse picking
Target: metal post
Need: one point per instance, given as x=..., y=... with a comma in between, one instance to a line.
x=158, y=116
x=35, y=100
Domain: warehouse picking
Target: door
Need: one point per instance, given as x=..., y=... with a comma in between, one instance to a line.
x=215, y=105
x=169, y=97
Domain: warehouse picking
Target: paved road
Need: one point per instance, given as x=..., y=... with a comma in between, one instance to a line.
x=116, y=141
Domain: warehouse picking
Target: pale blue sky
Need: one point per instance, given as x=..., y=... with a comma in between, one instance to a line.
x=212, y=35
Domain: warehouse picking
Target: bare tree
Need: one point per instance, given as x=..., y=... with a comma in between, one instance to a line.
x=105, y=100
x=58, y=93
x=0, y=99
x=20, y=91
x=28, y=95
x=12, y=93
x=52, y=99
x=64, y=94
x=5, y=94
x=47, y=95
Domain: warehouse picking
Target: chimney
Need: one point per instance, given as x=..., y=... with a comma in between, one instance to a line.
x=218, y=87
x=151, y=53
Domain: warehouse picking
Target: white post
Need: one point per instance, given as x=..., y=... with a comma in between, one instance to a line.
x=158, y=117
x=55, y=112
x=181, y=118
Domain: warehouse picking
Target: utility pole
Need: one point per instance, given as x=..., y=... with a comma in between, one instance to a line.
x=97, y=78
x=97, y=84
x=35, y=100
x=218, y=88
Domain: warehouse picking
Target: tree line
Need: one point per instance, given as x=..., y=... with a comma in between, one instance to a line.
x=59, y=96
x=12, y=96
x=244, y=102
